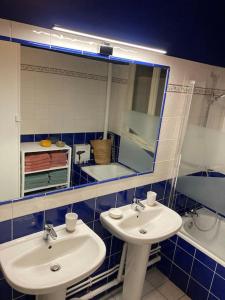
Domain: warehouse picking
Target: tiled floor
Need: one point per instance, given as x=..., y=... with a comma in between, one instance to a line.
x=157, y=287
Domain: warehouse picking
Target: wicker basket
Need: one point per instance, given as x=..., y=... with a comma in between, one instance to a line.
x=102, y=151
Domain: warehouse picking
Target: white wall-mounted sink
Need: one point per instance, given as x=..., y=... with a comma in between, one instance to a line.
x=140, y=229
x=26, y=262
x=149, y=226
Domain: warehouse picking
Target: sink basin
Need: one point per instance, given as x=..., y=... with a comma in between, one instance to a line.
x=149, y=226
x=27, y=262
x=140, y=229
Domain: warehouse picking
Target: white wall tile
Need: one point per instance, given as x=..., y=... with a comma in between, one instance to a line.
x=175, y=104
x=170, y=128
x=30, y=33
x=5, y=27
x=66, y=104
x=166, y=150
x=67, y=40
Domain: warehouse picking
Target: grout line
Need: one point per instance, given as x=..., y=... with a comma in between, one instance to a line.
x=211, y=282
x=189, y=277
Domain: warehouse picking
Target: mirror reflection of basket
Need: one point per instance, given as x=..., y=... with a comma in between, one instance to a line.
x=102, y=151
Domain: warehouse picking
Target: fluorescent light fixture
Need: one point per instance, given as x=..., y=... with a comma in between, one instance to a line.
x=103, y=39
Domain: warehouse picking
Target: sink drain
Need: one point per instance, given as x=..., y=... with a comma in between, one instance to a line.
x=55, y=267
x=143, y=231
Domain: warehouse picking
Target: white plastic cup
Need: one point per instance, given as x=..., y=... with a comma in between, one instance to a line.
x=151, y=198
x=71, y=220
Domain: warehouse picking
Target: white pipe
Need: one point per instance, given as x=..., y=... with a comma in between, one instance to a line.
x=91, y=281
x=108, y=96
x=122, y=262
x=111, y=284
x=99, y=290
x=114, y=282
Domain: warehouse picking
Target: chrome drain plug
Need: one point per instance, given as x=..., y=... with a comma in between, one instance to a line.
x=143, y=231
x=55, y=267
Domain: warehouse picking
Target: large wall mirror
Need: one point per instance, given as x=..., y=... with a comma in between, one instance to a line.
x=85, y=119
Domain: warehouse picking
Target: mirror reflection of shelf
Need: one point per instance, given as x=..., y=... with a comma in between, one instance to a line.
x=50, y=186
x=33, y=148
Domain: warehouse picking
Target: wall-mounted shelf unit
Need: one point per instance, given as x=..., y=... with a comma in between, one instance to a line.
x=34, y=148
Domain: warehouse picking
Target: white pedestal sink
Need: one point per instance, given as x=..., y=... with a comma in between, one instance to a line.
x=140, y=229
x=27, y=262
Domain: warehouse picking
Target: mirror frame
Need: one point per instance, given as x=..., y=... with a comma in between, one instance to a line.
x=86, y=54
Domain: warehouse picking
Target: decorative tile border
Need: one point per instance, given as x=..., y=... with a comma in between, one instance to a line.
x=172, y=88
x=185, y=89
x=63, y=72
x=178, y=88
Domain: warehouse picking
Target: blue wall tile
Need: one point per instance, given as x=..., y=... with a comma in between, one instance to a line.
x=186, y=246
x=212, y=297
x=174, y=238
x=5, y=231
x=85, y=210
x=165, y=266
x=220, y=270
x=167, y=248
x=117, y=245
x=16, y=294
x=125, y=197
x=104, y=267
x=27, y=138
x=218, y=287
x=5, y=290
x=196, y=291
x=202, y=274
x=141, y=191
x=159, y=188
x=104, y=203
x=68, y=138
x=179, y=278
x=209, y=262
x=56, y=216
x=28, y=224
x=39, y=137
x=108, y=242
x=115, y=259
x=79, y=138
x=183, y=259
x=89, y=136
x=100, y=230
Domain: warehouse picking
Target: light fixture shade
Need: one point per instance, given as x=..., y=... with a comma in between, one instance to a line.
x=103, y=39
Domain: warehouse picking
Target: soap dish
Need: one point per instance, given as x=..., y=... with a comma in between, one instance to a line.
x=115, y=213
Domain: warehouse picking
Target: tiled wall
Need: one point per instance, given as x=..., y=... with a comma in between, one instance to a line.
x=89, y=211
x=182, y=71
x=194, y=272
x=65, y=93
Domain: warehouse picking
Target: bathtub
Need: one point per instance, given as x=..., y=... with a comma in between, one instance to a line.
x=104, y=172
x=206, y=232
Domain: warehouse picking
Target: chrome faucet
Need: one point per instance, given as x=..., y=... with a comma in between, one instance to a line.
x=138, y=205
x=49, y=231
x=193, y=212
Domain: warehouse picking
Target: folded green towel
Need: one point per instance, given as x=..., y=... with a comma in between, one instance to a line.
x=58, y=176
x=60, y=181
x=37, y=177
x=34, y=185
x=58, y=173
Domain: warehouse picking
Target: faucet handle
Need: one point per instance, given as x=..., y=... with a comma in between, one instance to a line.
x=48, y=226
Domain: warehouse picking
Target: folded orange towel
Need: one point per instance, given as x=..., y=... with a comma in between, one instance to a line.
x=36, y=157
x=37, y=167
